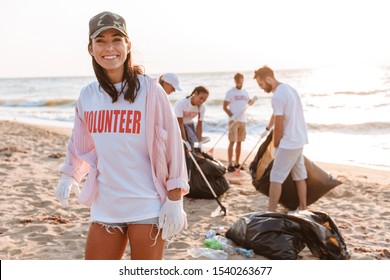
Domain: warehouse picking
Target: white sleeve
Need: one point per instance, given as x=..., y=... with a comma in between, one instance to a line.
x=179, y=108
x=278, y=105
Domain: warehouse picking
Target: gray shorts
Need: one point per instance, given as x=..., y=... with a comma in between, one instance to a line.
x=286, y=161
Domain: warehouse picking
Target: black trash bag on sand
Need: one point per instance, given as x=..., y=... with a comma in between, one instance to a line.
x=214, y=172
x=280, y=236
x=318, y=181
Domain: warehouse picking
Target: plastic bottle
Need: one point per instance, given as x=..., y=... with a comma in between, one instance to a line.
x=208, y=253
x=228, y=248
x=221, y=238
x=210, y=234
x=212, y=243
x=245, y=252
x=219, y=243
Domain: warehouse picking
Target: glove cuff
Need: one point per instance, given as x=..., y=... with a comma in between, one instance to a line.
x=69, y=178
x=174, y=202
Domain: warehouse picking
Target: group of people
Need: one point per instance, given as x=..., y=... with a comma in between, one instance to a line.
x=128, y=141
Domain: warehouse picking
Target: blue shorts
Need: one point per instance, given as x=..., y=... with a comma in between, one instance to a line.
x=121, y=226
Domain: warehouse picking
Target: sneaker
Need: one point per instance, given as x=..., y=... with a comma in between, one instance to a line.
x=293, y=212
x=231, y=168
x=236, y=166
x=304, y=212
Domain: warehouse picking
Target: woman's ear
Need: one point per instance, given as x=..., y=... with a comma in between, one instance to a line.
x=90, y=50
x=128, y=47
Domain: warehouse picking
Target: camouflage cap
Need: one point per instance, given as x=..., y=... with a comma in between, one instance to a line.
x=104, y=21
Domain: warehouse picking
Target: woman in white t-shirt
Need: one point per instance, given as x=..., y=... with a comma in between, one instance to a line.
x=127, y=139
x=187, y=109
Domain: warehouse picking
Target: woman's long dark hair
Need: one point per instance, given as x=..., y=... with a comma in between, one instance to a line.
x=130, y=83
x=198, y=90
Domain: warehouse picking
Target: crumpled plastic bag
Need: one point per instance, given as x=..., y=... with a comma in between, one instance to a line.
x=214, y=172
x=282, y=236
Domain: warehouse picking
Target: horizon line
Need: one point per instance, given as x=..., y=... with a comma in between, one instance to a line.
x=184, y=72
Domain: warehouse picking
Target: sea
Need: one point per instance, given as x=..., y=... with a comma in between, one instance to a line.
x=346, y=108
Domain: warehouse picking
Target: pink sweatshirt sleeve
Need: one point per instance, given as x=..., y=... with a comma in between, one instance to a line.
x=79, y=142
x=177, y=177
x=169, y=164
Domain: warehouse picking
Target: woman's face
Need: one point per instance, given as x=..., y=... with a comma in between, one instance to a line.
x=110, y=49
x=199, y=98
x=168, y=88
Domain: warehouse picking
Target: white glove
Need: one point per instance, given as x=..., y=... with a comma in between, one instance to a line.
x=172, y=218
x=232, y=118
x=264, y=133
x=64, y=187
x=253, y=100
x=198, y=145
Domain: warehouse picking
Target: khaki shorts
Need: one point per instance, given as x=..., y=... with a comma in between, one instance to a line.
x=287, y=161
x=237, y=131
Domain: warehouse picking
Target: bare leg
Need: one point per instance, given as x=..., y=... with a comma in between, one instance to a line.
x=302, y=193
x=102, y=245
x=230, y=152
x=142, y=243
x=275, y=190
x=238, y=152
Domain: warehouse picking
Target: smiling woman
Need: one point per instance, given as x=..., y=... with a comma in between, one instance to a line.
x=127, y=139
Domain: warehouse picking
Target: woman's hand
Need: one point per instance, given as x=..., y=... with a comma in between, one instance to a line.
x=172, y=218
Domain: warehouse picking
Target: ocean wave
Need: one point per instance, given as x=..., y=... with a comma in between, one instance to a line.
x=370, y=92
x=37, y=103
x=368, y=127
x=381, y=105
x=320, y=106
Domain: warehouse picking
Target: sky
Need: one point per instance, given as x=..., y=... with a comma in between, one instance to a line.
x=44, y=38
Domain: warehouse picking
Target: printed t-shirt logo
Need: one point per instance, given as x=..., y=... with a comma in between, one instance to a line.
x=240, y=97
x=113, y=121
x=187, y=114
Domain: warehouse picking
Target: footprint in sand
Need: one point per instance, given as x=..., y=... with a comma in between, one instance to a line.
x=40, y=238
x=33, y=229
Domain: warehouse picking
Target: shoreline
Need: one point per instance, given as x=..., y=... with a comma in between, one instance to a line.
x=35, y=226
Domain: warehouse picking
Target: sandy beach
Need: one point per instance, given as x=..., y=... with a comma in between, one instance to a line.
x=35, y=226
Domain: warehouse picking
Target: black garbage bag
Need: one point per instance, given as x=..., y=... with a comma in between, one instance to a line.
x=321, y=234
x=268, y=235
x=318, y=181
x=281, y=236
x=214, y=172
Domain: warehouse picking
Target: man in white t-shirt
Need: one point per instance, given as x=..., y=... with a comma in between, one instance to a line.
x=235, y=103
x=290, y=136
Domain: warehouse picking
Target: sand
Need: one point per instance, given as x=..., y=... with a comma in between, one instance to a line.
x=35, y=226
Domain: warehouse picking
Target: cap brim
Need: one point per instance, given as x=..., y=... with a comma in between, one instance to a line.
x=100, y=30
x=178, y=88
